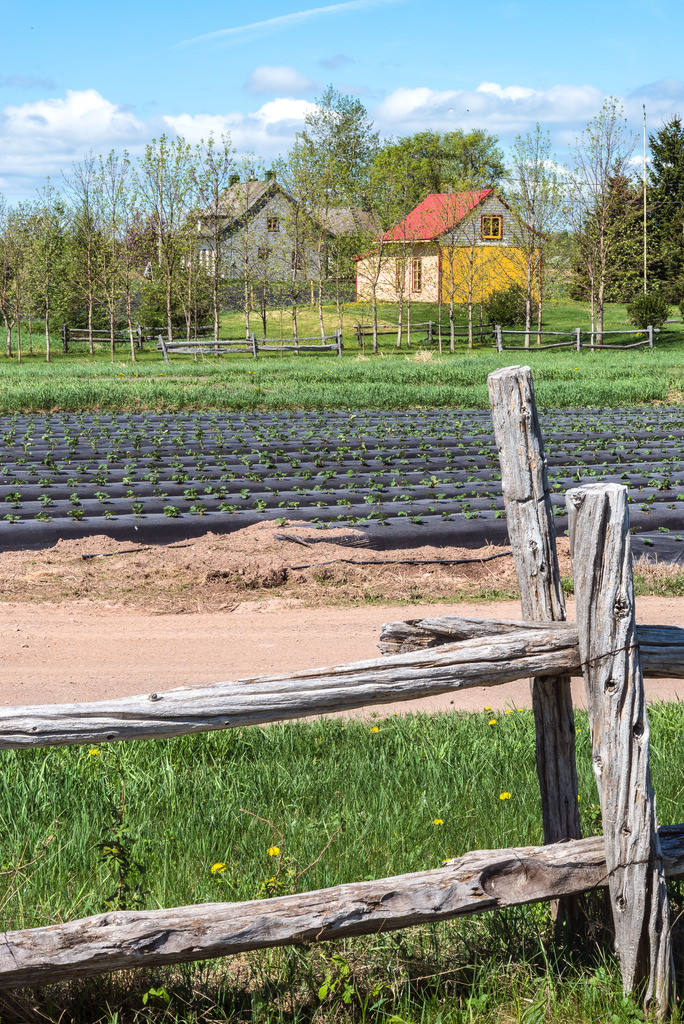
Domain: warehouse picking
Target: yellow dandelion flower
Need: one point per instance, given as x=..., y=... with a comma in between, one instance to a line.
x=509, y=712
x=504, y=796
x=273, y=851
x=375, y=729
x=488, y=709
x=492, y=721
x=218, y=868
x=437, y=821
x=94, y=751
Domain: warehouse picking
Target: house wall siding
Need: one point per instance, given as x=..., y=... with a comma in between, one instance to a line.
x=394, y=258
x=475, y=272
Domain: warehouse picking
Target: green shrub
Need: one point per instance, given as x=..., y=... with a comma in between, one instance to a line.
x=506, y=307
x=648, y=310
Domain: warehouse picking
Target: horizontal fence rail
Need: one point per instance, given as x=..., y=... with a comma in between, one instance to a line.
x=526, y=649
x=576, y=335
x=479, y=881
x=101, y=336
x=251, y=344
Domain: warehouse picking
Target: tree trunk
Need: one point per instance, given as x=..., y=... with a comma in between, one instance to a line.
x=47, y=332
x=169, y=317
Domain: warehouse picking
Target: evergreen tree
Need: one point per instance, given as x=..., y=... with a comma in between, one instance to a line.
x=666, y=209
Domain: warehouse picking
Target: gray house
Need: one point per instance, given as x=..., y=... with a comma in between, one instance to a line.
x=264, y=235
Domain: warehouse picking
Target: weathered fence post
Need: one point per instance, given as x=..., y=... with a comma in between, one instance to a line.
x=253, y=340
x=578, y=332
x=165, y=354
x=65, y=338
x=532, y=537
x=338, y=342
x=602, y=569
x=650, y=335
x=499, y=343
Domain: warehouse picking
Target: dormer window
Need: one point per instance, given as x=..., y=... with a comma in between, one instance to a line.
x=272, y=224
x=492, y=228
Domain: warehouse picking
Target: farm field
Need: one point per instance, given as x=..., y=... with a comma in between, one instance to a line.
x=416, y=478
x=343, y=455
x=392, y=380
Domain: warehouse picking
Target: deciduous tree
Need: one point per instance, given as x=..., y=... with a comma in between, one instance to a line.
x=601, y=154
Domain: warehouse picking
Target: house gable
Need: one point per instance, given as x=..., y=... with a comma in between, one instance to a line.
x=478, y=228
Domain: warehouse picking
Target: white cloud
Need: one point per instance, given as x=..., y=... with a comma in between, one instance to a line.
x=504, y=110
x=282, y=80
x=46, y=136
x=241, y=33
x=267, y=131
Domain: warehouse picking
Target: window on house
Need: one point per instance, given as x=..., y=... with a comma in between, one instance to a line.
x=272, y=224
x=263, y=252
x=492, y=227
x=417, y=275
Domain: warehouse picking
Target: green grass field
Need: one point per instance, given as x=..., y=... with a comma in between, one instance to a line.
x=393, y=379
x=394, y=795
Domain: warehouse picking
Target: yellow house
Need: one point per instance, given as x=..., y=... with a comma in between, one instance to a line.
x=466, y=244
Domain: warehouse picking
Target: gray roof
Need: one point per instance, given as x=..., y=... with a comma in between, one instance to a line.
x=345, y=220
x=240, y=197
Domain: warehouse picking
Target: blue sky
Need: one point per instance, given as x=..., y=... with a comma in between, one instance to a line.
x=90, y=76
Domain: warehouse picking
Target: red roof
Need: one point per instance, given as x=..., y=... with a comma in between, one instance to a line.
x=438, y=212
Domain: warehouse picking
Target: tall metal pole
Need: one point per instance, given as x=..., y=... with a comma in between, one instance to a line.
x=645, y=271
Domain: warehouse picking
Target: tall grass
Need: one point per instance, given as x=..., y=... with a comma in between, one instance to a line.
x=402, y=798
x=561, y=379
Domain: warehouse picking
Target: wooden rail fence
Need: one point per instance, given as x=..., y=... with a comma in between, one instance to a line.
x=431, y=331
x=633, y=859
x=576, y=335
x=251, y=344
x=79, y=335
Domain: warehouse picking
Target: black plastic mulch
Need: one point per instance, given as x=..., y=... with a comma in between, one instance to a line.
x=405, y=479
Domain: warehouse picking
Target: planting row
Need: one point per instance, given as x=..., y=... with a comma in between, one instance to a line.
x=434, y=474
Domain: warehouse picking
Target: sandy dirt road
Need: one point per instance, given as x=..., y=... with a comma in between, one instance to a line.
x=71, y=652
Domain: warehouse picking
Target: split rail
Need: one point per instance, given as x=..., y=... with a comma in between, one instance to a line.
x=100, y=337
x=251, y=344
x=576, y=335
x=633, y=859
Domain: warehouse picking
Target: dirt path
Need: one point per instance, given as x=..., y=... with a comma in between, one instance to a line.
x=69, y=651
